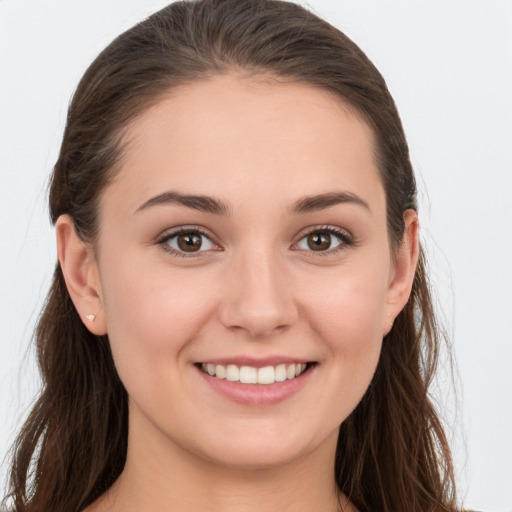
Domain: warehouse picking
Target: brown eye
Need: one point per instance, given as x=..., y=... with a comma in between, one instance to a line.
x=186, y=242
x=319, y=241
x=327, y=240
x=189, y=242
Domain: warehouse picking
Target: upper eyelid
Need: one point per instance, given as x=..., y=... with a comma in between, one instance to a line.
x=323, y=227
x=173, y=232
x=345, y=238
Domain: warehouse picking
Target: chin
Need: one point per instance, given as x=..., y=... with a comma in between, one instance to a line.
x=255, y=457
x=261, y=449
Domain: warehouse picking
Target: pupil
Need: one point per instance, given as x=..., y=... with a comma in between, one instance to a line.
x=319, y=241
x=189, y=242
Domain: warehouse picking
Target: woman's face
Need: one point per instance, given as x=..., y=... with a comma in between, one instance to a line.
x=246, y=228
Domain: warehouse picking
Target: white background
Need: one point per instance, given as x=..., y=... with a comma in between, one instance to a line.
x=448, y=65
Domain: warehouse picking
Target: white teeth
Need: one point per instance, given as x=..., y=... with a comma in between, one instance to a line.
x=252, y=375
x=232, y=373
x=248, y=375
x=220, y=371
x=280, y=373
x=266, y=375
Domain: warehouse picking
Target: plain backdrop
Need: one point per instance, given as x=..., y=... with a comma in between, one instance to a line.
x=448, y=64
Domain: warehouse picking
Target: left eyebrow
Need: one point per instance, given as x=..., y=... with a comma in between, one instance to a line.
x=196, y=202
x=319, y=202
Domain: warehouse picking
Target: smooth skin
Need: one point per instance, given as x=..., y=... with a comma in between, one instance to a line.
x=255, y=282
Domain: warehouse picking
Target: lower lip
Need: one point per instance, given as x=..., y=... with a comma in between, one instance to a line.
x=257, y=394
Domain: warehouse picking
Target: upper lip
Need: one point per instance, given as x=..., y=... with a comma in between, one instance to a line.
x=256, y=362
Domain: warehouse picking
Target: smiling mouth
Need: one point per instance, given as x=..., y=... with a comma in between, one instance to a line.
x=251, y=375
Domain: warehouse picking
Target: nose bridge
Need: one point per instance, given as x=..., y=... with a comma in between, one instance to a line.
x=257, y=297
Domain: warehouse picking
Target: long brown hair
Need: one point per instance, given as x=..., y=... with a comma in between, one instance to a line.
x=392, y=453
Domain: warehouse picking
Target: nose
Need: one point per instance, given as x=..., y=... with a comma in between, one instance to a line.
x=257, y=297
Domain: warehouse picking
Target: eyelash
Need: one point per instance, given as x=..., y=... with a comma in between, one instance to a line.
x=162, y=241
x=345, y=238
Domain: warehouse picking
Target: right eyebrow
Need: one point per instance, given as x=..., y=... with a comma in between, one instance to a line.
x=205, y=204
x=322, y=201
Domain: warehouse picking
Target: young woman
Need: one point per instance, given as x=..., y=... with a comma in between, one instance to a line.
x=240, y=317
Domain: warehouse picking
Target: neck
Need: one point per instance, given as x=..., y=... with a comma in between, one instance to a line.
x=159, y=475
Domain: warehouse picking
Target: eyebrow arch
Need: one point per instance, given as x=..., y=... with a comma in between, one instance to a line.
x=321, y=201
x=209, y=204
x=202, y=203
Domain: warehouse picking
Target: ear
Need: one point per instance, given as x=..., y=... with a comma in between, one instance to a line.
x=403, y=270
x=80, y=271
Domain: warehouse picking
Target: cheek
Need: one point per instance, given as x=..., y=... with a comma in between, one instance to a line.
x=151, y=316
x=346, y=317
x=349, y=310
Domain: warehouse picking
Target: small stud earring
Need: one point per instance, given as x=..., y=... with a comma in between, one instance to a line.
x=90, y=317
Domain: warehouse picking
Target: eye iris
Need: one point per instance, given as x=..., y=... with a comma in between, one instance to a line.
x=189, y=242
x=319, y=241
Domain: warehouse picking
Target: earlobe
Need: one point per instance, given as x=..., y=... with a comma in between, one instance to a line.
x=403, y=271
x=80, y=271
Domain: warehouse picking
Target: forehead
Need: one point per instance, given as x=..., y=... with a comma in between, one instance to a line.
x=245, y=137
